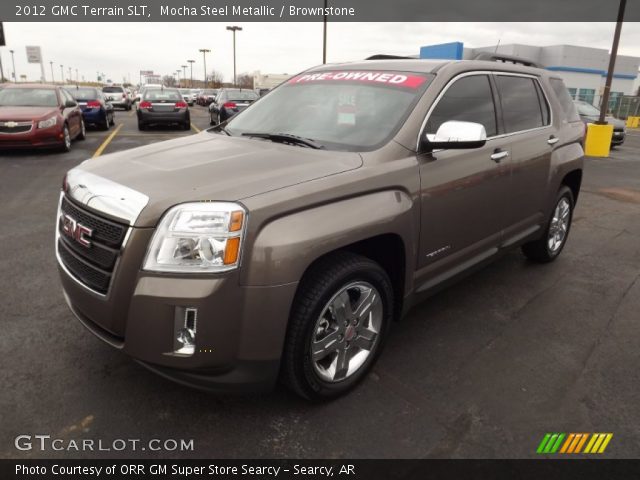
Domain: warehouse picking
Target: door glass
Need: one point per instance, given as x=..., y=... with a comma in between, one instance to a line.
x=520, y=104
x=469, y=100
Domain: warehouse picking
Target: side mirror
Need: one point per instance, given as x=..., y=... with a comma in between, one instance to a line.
x=70, y=104
x=457, y=135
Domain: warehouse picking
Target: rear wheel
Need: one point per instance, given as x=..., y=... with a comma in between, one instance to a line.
x=66, y=139
x=142, y=125
x=82, y=134
x=186, y=125
x=105, y=125
x=212, y=121
x=548, y=247
x=338, y=324
x=112, y=120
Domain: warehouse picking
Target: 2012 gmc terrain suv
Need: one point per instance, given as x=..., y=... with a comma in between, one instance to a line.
x=284, y=242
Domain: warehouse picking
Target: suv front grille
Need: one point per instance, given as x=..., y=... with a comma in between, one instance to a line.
x=94, y=265
x=15, y=127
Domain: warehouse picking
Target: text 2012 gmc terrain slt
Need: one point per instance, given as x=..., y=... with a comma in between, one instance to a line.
x=284, y=242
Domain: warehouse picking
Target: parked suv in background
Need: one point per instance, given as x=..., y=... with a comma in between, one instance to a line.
x=117, y=96
x=284, y=243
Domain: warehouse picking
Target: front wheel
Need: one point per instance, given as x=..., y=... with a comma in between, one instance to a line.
x=548, y=247
x=66, y=139
x=82, y=134
x=338, y=324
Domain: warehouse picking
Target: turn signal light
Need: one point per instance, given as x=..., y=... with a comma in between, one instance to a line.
x=235, y=222
x=231, y=251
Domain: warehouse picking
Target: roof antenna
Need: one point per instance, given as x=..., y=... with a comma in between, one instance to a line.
x=496, y=50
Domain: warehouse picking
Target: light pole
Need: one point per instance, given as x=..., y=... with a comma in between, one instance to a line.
x=324, y=35
x=62, y=73
x=13, y=61
x=70, y=76
x=184, y=74
x=604, y=107
x=53, y=80
x=204, y=57
x=76, y=75
x=191, y=64
x=234, y=29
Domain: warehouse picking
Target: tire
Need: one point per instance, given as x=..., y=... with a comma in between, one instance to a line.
x=105, y=125
x=342, y=279
x=211, y=120
x=548, y=247
x=186, y=125
x=142, y=125
x=83, y=131
x=66, y=142
x=112, y=122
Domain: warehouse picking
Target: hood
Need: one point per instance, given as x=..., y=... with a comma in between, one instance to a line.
x=211, y=166
x=24, y=114
x=617, y=124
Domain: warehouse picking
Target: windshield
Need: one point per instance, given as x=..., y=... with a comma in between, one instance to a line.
x=28, y=97
x=341, y=110
x=113, y=90
x=83, y=93
x=238, y=95
x=587, y=109
x=159, y=95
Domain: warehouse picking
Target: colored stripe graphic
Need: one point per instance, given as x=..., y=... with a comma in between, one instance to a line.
x=573, y=443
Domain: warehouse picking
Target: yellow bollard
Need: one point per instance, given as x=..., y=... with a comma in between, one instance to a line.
x=633, y=122
x=598, y=141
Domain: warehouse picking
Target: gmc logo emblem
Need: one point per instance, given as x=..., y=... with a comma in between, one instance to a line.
x=72, y=229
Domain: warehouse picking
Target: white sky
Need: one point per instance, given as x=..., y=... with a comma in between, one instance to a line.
x=121, y=50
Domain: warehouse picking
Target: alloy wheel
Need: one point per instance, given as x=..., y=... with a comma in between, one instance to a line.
x=559, y=225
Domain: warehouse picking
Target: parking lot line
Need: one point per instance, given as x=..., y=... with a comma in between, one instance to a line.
x=197, y=130
x=132, y=112
x=106, y=142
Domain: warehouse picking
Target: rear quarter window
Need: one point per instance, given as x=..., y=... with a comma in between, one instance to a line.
x=566, y=102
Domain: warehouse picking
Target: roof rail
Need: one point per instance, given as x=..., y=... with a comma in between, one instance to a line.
x=382, y=56
x=499, y=57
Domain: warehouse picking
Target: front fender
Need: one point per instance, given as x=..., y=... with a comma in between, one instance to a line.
x=286, y=246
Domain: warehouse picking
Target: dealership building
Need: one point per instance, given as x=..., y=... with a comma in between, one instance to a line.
x=583, y=69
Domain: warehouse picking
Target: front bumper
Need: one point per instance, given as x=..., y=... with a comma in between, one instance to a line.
x=35, y=138
x=151, y=118
x=240, y=329
x=618, y=137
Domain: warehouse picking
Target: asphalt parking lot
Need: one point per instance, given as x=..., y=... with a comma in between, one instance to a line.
x=481, y=370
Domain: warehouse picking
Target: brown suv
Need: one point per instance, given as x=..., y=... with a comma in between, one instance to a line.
x=284, y=242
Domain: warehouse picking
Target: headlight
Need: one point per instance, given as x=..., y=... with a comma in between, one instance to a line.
x=49, y=122
x=198, y=237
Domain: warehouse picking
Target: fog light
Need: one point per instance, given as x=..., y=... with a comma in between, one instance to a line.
x=184, y=342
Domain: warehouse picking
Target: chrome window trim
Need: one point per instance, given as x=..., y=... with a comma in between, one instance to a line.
x=100, y=295
x=492, y=73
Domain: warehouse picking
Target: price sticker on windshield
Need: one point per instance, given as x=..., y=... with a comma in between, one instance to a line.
x=391, y=79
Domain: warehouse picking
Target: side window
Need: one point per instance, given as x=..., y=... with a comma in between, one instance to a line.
x=66, y=96
x=469, y=99
x=564, y=97
x=544, y=105
x=520, y=105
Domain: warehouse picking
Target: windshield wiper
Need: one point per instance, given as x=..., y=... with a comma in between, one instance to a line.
x=285, y=138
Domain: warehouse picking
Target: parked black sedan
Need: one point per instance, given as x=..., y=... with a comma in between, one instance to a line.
x=163, y=106
x=96, y=110
x=229, y=102
x=590, y=114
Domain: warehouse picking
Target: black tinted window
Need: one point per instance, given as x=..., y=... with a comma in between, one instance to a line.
x=520, y=104
x=544, y=105
x=566, y=102
x=469, y=100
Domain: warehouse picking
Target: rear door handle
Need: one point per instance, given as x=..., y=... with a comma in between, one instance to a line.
x=553, y=140
x=498, y=155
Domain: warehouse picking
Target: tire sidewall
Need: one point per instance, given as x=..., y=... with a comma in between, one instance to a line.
x=319, y=388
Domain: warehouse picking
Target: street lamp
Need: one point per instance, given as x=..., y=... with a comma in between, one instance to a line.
x=234, y=29
x=13, y=61
x=191, y=64
x=184, y=74
x=53, y=80
x=324, y=34
x=76, y=75
x=62, y=73
x=204, y=57
x=70, y=76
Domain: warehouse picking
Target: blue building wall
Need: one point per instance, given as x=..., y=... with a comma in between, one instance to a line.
x=444, y=51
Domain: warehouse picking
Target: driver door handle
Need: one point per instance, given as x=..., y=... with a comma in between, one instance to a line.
x=499, y=154
x=553, y=140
